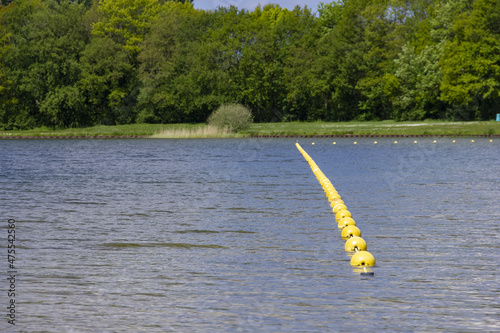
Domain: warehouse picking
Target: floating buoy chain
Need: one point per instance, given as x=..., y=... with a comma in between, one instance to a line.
x=345, y=222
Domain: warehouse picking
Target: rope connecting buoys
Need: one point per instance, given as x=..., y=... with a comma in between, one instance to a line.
x=343, y=217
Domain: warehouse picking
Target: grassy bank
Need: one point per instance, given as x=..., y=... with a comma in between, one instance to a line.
x=272, y=129
x=379, y=128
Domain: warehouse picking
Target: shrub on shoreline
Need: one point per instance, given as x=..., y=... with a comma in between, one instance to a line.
x=231, y=117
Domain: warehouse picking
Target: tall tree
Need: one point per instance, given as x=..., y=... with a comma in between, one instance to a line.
x=106, y=82
x=341, y=53
x=170, y=65
x=7, y=98
x=307, y=90
x=388, y=24
x=45, y=39
x=414, y=85
x=110, y=60
x=126, y=22
x=471, y=61
x=271, y=32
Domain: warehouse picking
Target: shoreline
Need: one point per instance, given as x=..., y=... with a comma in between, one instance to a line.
x=372, y=129
x=63, y=137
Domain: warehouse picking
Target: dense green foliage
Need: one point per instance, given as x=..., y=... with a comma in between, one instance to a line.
x=80, y=63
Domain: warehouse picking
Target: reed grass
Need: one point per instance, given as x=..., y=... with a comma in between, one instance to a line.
x=200, y=132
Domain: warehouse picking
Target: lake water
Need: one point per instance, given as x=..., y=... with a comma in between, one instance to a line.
x=143, y=235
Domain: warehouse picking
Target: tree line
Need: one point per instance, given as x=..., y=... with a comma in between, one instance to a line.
x=80, y=63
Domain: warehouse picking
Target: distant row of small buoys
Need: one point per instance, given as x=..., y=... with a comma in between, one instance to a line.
x=349, y=231
x=415, y=141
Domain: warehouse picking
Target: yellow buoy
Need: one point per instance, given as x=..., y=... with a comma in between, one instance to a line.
x=338, y=207
x=363, y=258
x=350, y=231
x=336, y=201
x=375, y=142
x=395, y=142
x=334, y=142
x=471, y=140
x=326, y=182
x=330, y=191
x=332, y=196
x=342, y=214
x=415, y=141
x=355, y=143
x=345, y=222
x=355, y=244
x=329, y=188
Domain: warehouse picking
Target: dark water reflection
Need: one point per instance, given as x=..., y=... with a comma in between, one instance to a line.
x=237, y=235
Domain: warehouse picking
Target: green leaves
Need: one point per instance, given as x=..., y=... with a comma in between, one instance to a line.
x=63, y=107
x=77, y=63
x=231, y=117
x=107, y=80
x=172, y=69
x=471, y=61
x=126, y=22
x=40, y=57
x=450, y=69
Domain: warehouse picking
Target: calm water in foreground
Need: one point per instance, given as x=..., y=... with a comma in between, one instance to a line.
x=238, y=236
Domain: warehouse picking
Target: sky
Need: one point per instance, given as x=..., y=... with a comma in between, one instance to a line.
x=251, y=4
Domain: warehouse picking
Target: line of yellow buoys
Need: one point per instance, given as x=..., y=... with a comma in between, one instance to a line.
x=415, y=141
x=343, y=217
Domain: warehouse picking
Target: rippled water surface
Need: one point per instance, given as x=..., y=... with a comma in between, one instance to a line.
x=238, y=236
